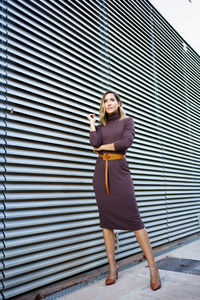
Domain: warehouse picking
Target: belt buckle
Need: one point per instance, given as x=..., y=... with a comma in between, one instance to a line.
x=106, y=155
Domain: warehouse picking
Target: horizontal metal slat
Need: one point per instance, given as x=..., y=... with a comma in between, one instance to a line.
x=50, y=201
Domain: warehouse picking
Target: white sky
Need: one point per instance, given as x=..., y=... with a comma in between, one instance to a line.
x=184, y=16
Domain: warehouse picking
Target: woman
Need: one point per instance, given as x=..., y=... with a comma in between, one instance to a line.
x=113, y=184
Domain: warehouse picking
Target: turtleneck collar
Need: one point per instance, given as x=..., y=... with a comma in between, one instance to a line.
x=114, y=116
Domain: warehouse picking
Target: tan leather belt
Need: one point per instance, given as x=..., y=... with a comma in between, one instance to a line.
x=107, y=157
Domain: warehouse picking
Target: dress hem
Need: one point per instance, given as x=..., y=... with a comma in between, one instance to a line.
x=117, y=228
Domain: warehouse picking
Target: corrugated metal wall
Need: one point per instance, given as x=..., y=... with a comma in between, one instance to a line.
x=60, y=57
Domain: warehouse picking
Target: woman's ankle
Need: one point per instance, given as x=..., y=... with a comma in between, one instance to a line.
x=113, y=268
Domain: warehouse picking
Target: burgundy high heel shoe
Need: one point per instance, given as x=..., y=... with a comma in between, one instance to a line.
x=155, y=286
x=109, y=281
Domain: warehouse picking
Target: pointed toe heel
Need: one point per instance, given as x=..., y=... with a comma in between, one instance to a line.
x=155, y=286
x=110, y=281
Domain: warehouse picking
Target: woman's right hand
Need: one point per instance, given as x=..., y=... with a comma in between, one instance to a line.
x=91, y=117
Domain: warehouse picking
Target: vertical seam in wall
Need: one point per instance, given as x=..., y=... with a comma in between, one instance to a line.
x=4, y=35
x=188, y=104
x=104, y=51
x=187, y=101
x=156, y=91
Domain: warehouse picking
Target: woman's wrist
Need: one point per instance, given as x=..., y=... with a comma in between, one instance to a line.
x=92, y=126
x=106, y=147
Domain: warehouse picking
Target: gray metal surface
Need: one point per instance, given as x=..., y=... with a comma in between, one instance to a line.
x=182, y=265
x=59, y=57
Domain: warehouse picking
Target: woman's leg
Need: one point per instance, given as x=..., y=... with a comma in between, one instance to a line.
x=143, y=240
x=109, y=240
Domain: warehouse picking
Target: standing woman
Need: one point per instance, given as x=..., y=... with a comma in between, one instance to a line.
x=113, y=184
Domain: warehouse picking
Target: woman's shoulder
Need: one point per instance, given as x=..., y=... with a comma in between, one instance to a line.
x=128, y=120
x=128, y=123
x=98, y=126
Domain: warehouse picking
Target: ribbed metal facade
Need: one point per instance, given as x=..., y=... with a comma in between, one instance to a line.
x=57, y=59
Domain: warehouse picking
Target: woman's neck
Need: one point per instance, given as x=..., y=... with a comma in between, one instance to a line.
x=114, y=116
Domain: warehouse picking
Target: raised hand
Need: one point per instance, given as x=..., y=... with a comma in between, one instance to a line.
x=91, y=117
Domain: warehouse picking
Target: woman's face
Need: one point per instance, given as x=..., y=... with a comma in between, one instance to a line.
x=110, y=103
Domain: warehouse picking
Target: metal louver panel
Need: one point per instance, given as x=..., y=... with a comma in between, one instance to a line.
x=57, y=59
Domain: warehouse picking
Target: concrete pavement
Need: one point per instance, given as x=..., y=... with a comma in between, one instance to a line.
x=180, y=279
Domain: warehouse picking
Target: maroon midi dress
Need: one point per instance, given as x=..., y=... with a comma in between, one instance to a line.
x=118, y=210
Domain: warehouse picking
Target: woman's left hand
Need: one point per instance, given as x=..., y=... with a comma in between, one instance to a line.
x=96, y=150
x=106, y=147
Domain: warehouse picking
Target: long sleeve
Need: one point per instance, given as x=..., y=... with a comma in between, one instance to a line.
x=128, y=136
x=95, y=137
